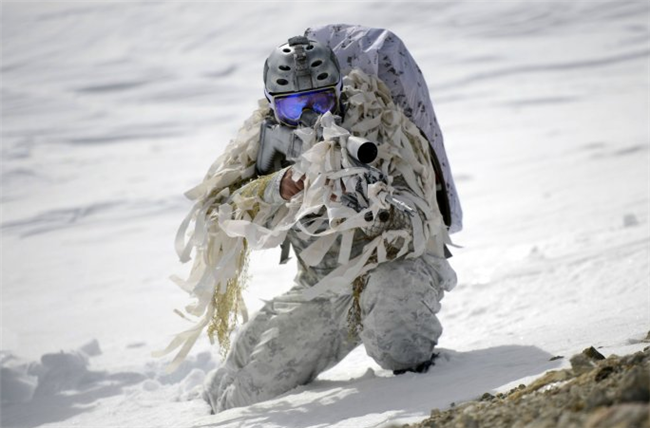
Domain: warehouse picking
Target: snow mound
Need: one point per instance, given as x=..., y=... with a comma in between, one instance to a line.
x=17, y=383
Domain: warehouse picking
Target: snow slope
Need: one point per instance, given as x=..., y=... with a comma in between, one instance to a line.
x=110, y=111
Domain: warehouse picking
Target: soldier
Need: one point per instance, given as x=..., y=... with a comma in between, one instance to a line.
x=390, y=307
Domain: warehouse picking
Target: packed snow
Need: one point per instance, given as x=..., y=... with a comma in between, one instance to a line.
x=110, y=111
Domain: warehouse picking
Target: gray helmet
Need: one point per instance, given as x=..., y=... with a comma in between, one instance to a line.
x=300, y=65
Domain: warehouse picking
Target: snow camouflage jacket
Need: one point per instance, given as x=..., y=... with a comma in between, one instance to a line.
x=381, y=53
x=234, y=212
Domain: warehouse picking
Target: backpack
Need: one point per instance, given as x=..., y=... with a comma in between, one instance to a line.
x=381, y=53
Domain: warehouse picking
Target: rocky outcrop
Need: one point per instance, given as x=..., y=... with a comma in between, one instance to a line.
x=596, y=392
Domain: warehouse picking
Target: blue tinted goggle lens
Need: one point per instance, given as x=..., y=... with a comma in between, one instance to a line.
x=289, y=107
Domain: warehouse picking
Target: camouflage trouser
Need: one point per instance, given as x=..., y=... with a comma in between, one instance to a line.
x=290, y=341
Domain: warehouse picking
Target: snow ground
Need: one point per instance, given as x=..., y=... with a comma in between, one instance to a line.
x=110, y=111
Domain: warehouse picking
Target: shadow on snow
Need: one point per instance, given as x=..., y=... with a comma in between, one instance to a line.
x=456, y=377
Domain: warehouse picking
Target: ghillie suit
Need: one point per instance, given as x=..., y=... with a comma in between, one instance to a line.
x=373, y=274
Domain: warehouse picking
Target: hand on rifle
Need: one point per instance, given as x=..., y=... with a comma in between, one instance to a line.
x=288, y=187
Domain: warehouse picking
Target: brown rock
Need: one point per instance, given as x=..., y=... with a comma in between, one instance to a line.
x=580, y=364
x=593, y=354
x=635, y=386
x=603, y=373
x=469, y=422
x=609, y=393
x=487, y=397
x=620, y=416
x=597, y=398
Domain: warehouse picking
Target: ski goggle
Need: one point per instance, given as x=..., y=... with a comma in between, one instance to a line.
x=288, y=108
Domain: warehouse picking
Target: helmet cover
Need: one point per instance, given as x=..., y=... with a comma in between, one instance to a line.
x=300, y=65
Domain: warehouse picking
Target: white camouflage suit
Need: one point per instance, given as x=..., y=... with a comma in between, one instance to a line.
x=277, y=350
x=292, y=339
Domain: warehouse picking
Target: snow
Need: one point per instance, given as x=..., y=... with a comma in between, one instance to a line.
x=110, y=111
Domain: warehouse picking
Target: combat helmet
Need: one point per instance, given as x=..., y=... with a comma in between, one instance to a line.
x=302, y=75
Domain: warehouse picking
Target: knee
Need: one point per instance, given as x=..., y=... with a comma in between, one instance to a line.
x=398, y=307
x=399, y=346
x=401, y=296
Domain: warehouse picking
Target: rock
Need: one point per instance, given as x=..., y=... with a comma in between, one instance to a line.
x=603, y=373
x=469, y=422
x=593, y=354
x=469, y=409
x=435, y=413
x=620, y=416
x=487, y=397
x=565, y=420
x=634, y=359
x=635, y=386
x=585, y=361
x=597, y=398
x=580, y=364
x=597, y=393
